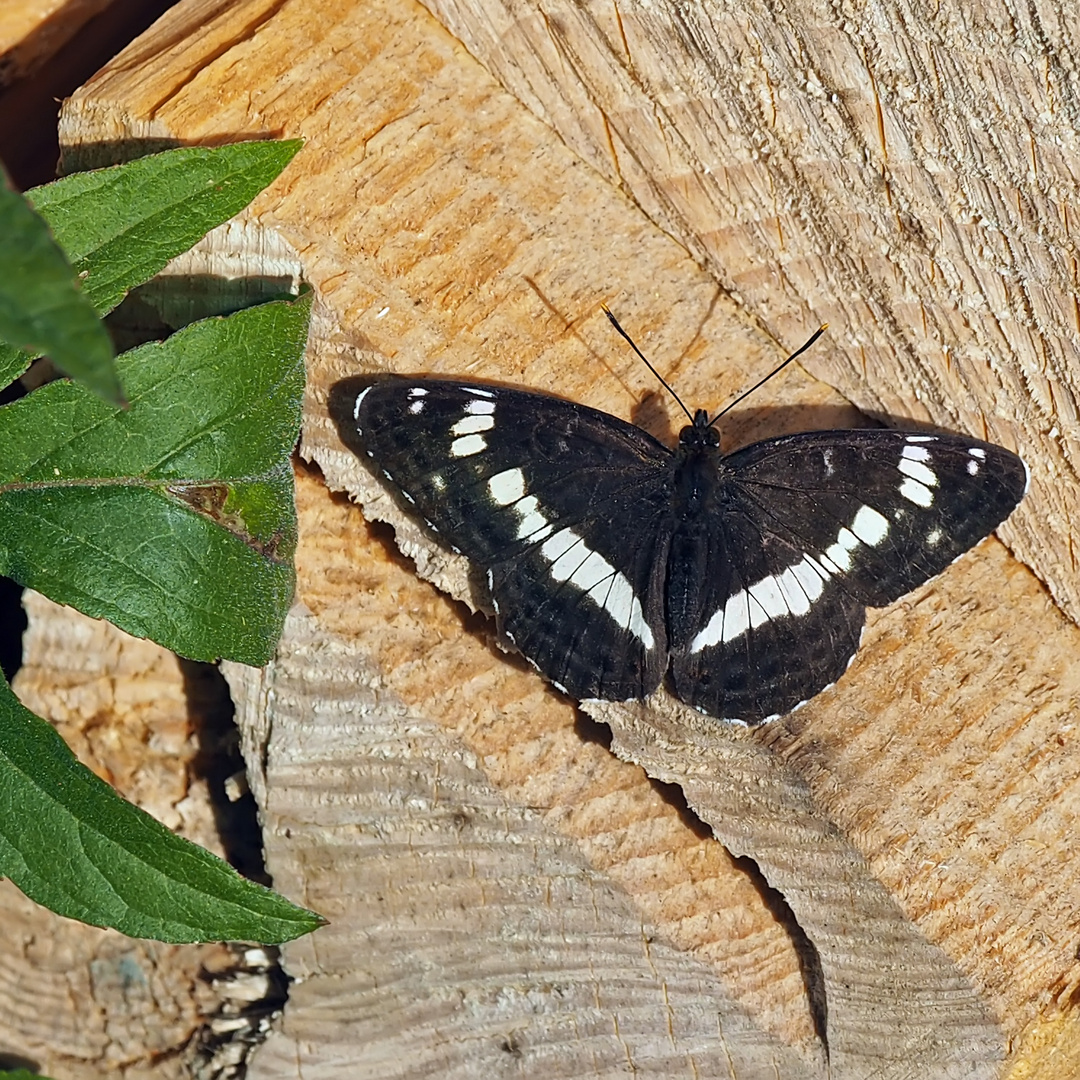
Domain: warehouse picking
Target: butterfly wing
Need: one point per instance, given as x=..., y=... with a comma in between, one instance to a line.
x=774, y=629
x=891, y=509
x=825, y=523
x=541, y=494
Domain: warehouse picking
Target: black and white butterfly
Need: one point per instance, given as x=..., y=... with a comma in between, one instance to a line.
x=613, y=560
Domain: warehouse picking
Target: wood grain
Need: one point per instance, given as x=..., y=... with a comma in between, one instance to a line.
x=471, y=871
x=30, y=33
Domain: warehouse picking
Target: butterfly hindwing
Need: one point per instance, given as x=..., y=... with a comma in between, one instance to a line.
x=588, y=609
x=773, y=627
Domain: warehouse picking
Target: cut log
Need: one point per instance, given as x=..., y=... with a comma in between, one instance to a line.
x=446, y=230
x=30, y=33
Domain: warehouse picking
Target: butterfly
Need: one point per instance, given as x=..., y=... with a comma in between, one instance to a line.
x=614, y=562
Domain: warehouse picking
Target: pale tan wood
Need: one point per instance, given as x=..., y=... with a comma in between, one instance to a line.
x=419, y=657
x=476, y=925
x=443, y=230
x=906, y=173
x=33, y=30
x=82, y=1002
x=121, y=704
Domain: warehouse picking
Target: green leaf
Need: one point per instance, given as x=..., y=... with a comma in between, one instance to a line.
x=71, y=843
x=21, y=1074
x=121, y=225
x=173, y=519
x=42, y=308
x=13, y=362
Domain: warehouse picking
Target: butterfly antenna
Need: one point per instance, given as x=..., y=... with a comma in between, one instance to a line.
x=644, y=360
x=776, y=371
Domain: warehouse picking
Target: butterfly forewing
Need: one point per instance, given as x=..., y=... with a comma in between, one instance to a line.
x=610, y=558
x=889, y=509
x=483, y=466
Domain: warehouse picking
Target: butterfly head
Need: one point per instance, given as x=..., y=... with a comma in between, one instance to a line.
x=700, y=435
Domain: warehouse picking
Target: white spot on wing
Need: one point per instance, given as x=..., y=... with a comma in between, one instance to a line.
x=507, y=487
x=811, y=576
x=711, y=632
x=623, y=606
x=480, y=408
x=917, y=493
x=795, y=596
x=468, y=445
x=933, y=538
x=532, y=525
x=840, y=552
x=870, y=526
x=417, y=391
x=573, y=562
x=921, y=438
x=360, y=397
x=476, y=391
x=770, y=596
x=736, y=618
x=979, y=452
x=591, y=572
x=557, y=546
x=915, y=453
x=757, y=612
x=918, y=471
x=467, y=425
x=416, y=407
x=973, y=468
x=827, y=565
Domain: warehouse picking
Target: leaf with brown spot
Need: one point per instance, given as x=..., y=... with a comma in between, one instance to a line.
x=173, y=519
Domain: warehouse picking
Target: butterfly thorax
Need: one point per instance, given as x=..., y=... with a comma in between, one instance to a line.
x=697, y=485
